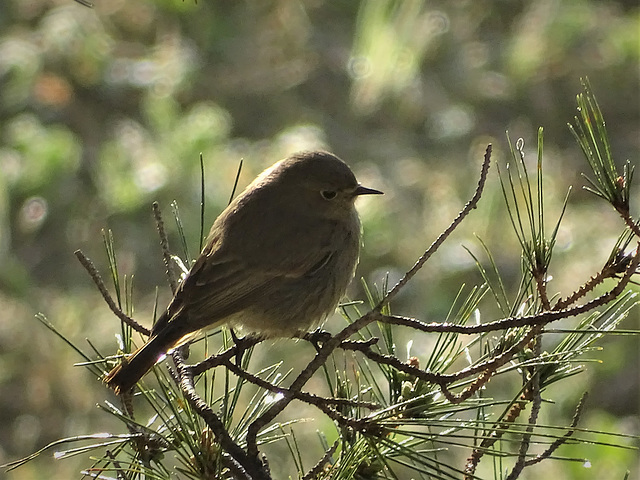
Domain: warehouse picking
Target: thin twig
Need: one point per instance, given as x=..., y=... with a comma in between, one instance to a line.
x=541, y=286
x=533, y=416
x=471, y=204
x=116, y=464
x=628, y=220
x=592, y=283
x=202, y=202
x=164, y=244
x=497, y=432
x=97, y=279
x=309, y=398
x=221, y=358
x=319, y=467
x=572, y=428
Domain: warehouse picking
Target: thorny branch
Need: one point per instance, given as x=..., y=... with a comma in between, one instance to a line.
x=250, y=466
x=528, y=320
x=317, y=469
x=536, y=402
x=614, y=266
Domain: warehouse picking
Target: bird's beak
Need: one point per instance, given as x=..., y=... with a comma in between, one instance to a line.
x=360, y=190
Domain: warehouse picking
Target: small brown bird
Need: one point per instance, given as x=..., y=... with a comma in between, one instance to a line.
x=276, y=261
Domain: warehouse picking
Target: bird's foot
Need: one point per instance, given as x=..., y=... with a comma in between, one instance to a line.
x=316, y=338
x=243, y=344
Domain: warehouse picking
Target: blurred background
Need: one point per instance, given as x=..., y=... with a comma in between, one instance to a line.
x=105, y=110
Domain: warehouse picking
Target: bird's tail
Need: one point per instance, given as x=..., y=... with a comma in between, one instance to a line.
x=123, y=377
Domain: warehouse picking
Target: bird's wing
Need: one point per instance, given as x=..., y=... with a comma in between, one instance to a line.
x=245, y=261
x=218, y=287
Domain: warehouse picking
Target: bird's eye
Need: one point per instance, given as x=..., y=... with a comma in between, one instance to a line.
x=328, y=194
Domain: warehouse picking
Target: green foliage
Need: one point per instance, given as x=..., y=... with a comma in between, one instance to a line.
x=591, y=134
x=42, y=155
